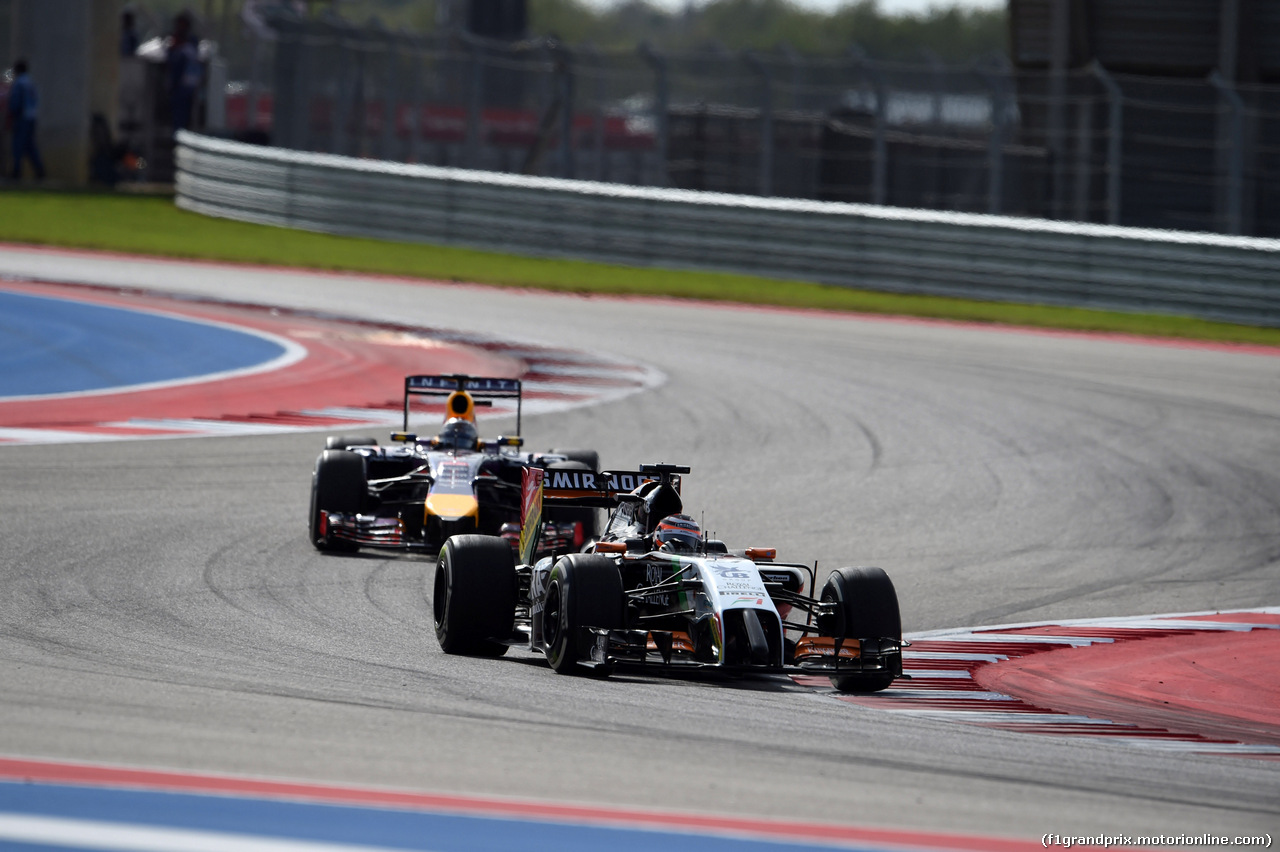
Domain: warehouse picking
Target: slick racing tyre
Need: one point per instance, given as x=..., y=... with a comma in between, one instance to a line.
x=867, y=608
x=345, y=442
x=588, y=457
x=337, y=485
x=474, y=595
x=583, y=590
x=589, y=518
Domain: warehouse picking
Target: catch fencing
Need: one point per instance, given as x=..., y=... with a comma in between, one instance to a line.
x=998, y=258
x=1196, y=154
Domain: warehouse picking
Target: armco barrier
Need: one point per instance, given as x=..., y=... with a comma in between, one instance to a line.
x=996, y=258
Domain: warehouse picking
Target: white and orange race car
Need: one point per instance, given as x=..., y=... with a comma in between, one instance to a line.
x=655, y=591
x=417, y=492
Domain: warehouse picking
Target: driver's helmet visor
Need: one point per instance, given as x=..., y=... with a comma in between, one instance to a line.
x=674, y=539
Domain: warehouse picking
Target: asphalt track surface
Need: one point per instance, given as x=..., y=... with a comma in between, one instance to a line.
x=162, y=607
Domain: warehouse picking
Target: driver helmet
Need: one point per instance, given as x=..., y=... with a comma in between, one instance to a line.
x=677, y=533
x=458, y=434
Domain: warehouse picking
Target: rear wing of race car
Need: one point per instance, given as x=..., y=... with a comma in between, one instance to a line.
x=603, y=489
x=481, y=390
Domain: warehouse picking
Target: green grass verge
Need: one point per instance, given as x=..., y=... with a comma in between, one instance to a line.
x=153, y=225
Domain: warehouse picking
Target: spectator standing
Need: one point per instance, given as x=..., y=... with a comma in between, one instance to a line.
x=24, y=106
x=183, y=60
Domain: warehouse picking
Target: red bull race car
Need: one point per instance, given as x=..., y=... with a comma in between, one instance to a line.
x=656, y=592
x=418, y=492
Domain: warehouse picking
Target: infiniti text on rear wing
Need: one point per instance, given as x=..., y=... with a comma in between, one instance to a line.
x=483, y=390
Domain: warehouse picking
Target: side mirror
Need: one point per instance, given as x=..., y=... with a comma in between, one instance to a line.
x=755, y=554
x=404, y=437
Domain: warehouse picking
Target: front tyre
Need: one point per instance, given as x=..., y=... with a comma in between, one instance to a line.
x=338, y=485
x=474, y=595
x=867, y=608
x=346, y=442
x=583, y=590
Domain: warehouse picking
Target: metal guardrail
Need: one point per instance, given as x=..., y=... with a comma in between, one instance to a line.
x=1235, y=279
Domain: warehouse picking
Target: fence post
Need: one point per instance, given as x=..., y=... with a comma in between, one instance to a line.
x=564, y=65
x=289, y=96
x=796, y=63
x=766, y=122
x=256, y=86
x=471, y=154
x=596, y=63
x=390, y=92
x=880, y=155
x=417, y=67
x=1084, y=157
x=309, y=57
x=358, y=108
x=939, y=74
x=1233, y=215
x=1059, y=53
x=1115, y=138
x=995, y=142
x=661, y=106
x=348, y=74
x=216, y=100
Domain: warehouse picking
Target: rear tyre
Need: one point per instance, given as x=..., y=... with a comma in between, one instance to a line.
x=578, y=460
x=337, y=485
x=588, y=457
x=583, y=590
x=344, y=442
x=867, y=609
x=474, y=595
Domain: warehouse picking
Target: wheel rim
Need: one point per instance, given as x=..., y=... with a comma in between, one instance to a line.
x=551, y=629
x=439, y=595
x=315, y=518
x=836, y=624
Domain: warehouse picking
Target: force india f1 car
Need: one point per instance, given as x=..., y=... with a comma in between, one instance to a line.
x=655, y=592
x=415, y=495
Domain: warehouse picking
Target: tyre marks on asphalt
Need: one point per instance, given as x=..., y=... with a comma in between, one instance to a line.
x=351, y=377
x=950, y=672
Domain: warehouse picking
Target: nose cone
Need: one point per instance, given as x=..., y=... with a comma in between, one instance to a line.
x=453, y=507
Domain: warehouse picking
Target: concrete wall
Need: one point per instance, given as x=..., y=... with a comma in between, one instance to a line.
x=6, y=34
x=71, y=47
x=104, y=58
